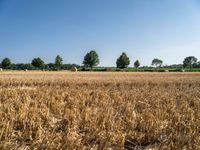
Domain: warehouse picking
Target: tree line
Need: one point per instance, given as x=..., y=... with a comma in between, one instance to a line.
x=91, y=59
x=37, y=64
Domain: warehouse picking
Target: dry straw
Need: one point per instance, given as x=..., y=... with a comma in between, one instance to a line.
x=59, y=110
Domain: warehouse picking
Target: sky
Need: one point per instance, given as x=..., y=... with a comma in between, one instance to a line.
x=144, y=29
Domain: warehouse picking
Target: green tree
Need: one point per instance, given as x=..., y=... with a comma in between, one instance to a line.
x=38, y=62
x=157, y=62
x=136, y=64
x=196, y=65
x=123, y=61
x=189, y=62
x=6, y=63
x=58, y=61
x=91, y=59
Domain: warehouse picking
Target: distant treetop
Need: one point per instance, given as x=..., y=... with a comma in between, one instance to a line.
x=91, y=59
x=123, y=61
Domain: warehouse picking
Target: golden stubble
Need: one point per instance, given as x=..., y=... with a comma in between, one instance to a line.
x=64, y=110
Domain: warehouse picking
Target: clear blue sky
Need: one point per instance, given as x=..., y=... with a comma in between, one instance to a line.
x=144, y=29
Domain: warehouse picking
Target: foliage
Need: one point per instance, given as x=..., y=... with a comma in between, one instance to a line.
x=58, y=61
x=157, y=62
x=23, y=67
x=6, y=63
x=196, y=65
x=91, y=59
x=173, y=66
x=92, y=69
x=142, y=69
x=123, y=61
x=189, y=61
x=136, y=64
x=69, y=66
x=38, y=62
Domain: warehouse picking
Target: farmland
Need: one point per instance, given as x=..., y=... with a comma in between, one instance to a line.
x=93, y=110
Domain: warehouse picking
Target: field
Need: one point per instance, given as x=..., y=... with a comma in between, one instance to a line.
x=97, y=111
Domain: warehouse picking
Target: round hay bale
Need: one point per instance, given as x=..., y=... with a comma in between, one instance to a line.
x=74, y=69
x=25, y=70
x=182, y=70
x=166, y=70
x=1, y=69
x=108, y=69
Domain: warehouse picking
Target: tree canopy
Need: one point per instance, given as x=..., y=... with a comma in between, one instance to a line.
x=136, y=64
x=91, y=59
x=123, y=61
x=189, y=61
x=6, y=63
x=58, y=61
x=37, y=62
x=157, y=62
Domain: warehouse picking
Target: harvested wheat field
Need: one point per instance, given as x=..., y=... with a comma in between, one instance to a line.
x=97, y=111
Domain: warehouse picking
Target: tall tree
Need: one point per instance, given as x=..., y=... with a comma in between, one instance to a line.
x=58, y=61
x=189, y=61
x=6, y=63
x=91, y=59
x=157, y=62
x=136, y=64
x=123, y=61
x=38, y=62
